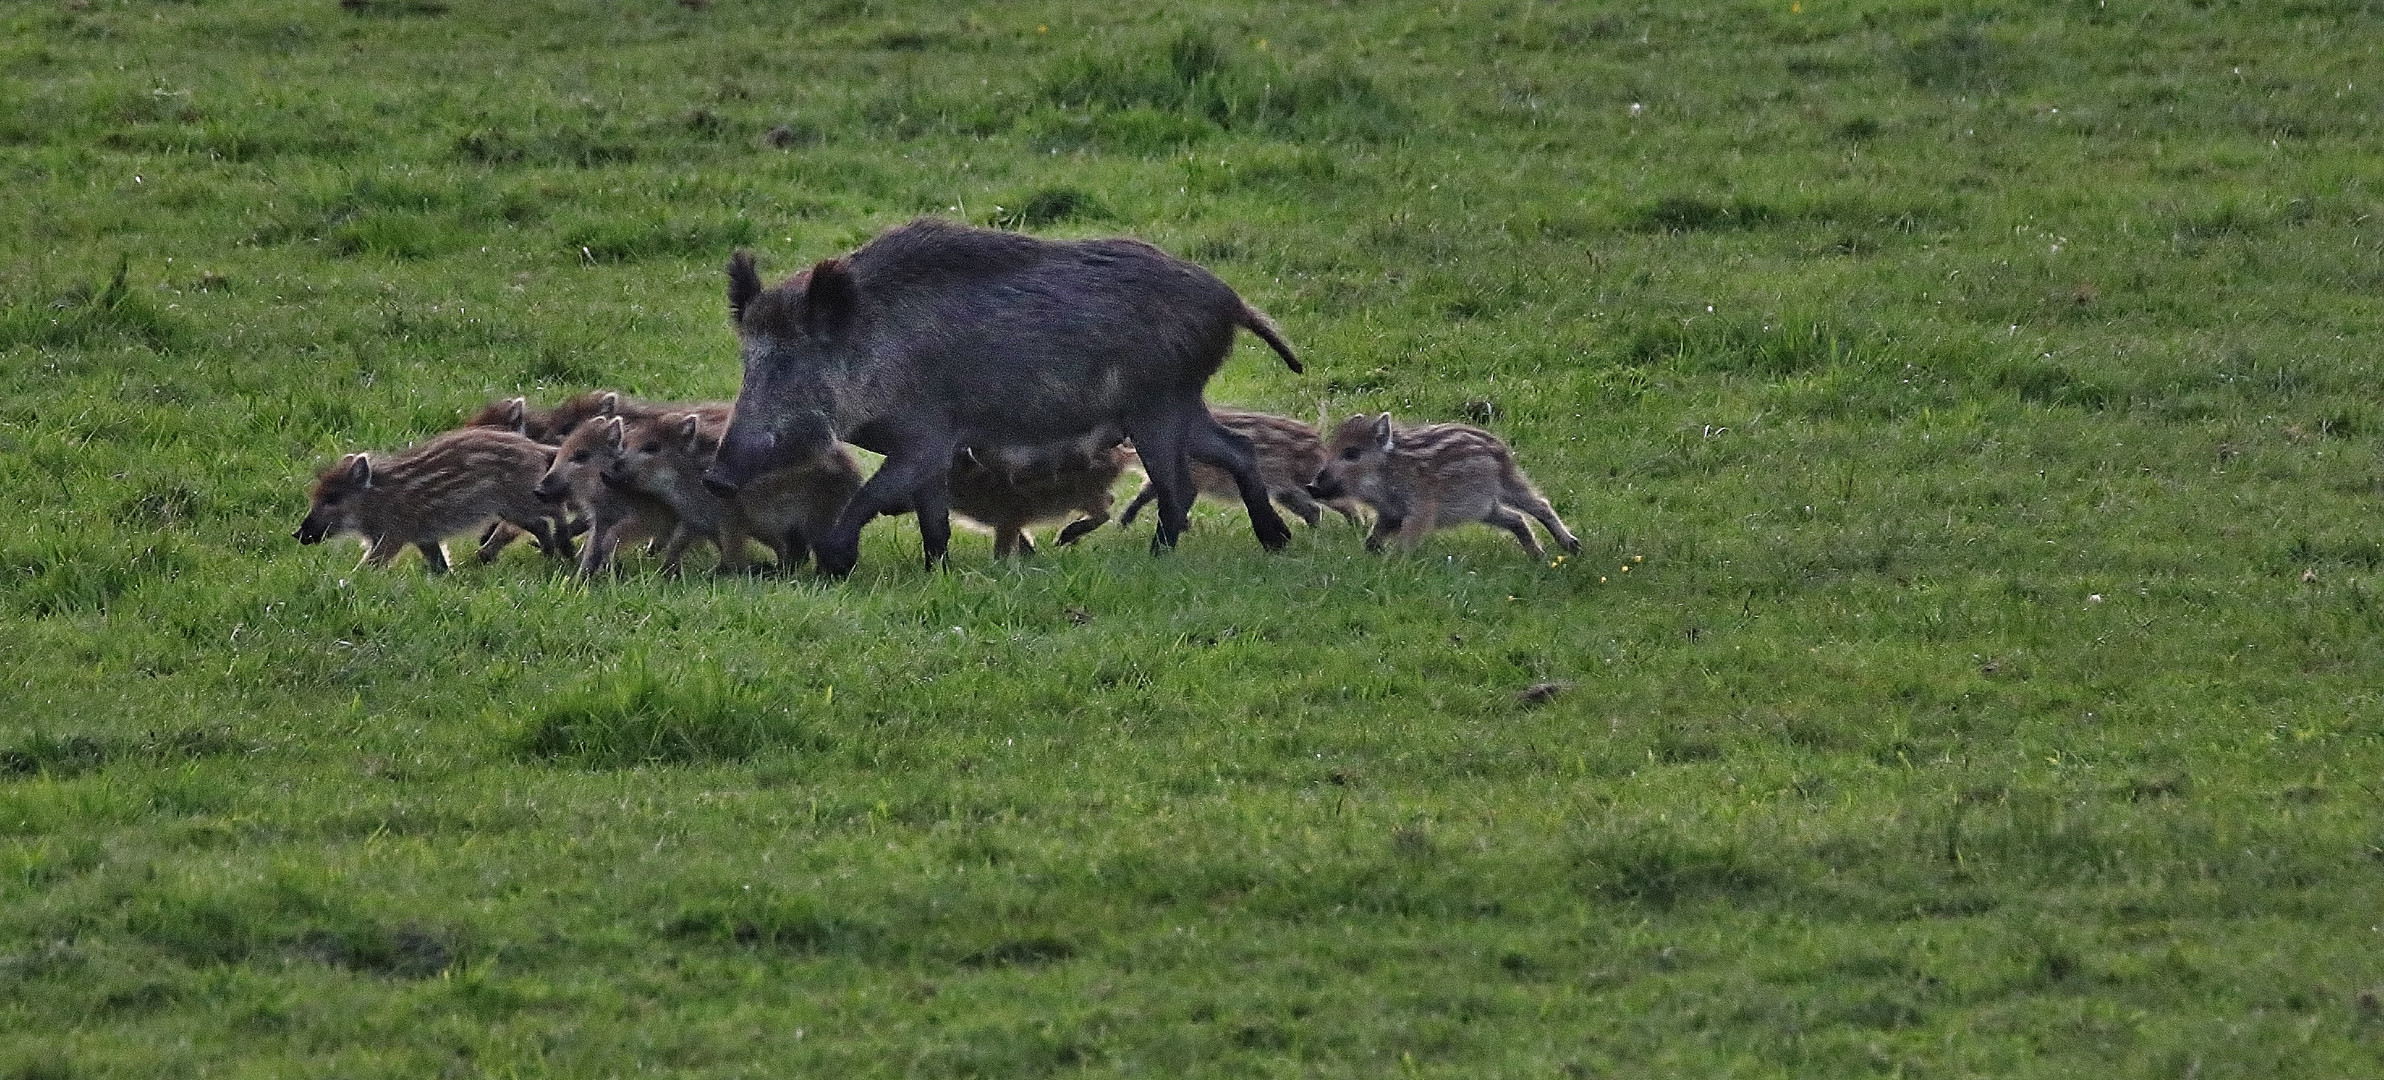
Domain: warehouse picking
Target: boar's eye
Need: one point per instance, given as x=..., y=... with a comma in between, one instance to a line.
x=579, y=458
x=1352, y=454
x=650, y=448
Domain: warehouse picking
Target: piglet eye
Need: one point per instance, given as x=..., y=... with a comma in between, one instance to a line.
x=1352, y=454
x=579, y=457
x=650, y=448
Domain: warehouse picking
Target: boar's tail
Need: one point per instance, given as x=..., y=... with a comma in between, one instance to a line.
x=1268, y=332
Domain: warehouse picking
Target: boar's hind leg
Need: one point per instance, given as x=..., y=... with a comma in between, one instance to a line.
x=911, y=477
x=1538, y=507
x=1215, y=444
x=1508, y=519
x=1160, y=444
x=434, y=555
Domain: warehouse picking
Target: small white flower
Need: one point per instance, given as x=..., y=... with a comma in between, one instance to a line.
x=1637, y=108
x=2094, y=598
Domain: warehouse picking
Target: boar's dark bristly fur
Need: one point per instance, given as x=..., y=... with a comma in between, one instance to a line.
x=935, y=335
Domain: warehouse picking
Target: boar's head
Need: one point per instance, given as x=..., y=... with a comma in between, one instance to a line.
x=789, y=335
x=1356, y=456
x=334, y=500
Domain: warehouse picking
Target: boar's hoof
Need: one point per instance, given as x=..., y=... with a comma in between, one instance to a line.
x=1273, y=534
x=835, y=560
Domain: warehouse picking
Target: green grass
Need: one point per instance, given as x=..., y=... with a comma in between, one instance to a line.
x=1989, y=389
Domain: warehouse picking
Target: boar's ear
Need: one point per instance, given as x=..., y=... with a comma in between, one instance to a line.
x=1382, y=432
x=829, y=298
x=611, y=433
x=744, y=283
x=517, y=412
x=609, y=404
x=687, y=429
x=358, y=470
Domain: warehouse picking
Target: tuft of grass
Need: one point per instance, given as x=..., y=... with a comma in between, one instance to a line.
x=1665, y=868
x=51, y=573
x=1690, y=213
x=1049, y=206
x=631, y=237
x=635, y=715
x=1196, y=76
x=89, y=313
x=72, y=755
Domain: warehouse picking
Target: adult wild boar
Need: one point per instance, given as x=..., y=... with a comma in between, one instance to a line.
x=935, y=335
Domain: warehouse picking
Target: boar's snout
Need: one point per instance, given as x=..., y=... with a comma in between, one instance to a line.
x=308, y=532
x=1325, y=487
x=549, y=489
x=742, y=456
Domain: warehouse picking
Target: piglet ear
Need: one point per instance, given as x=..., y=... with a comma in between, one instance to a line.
x=744, y=283
x=1382, y=432
x=609, y=404
x=687, y=429
x=516, y=414
x=830, y=295
x=359, y=469
x=611, y=433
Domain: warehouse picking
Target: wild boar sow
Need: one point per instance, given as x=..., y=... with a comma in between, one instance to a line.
x=936, y=335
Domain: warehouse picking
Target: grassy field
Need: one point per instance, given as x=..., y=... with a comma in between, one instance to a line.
x=1970, y=410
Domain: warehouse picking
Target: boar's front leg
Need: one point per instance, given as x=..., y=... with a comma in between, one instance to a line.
x=555, y=541
x=1215, y=444
x=381, y=551
x=434, y=555
x=604, y=535
x=1420, y=521
x=913, y=476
